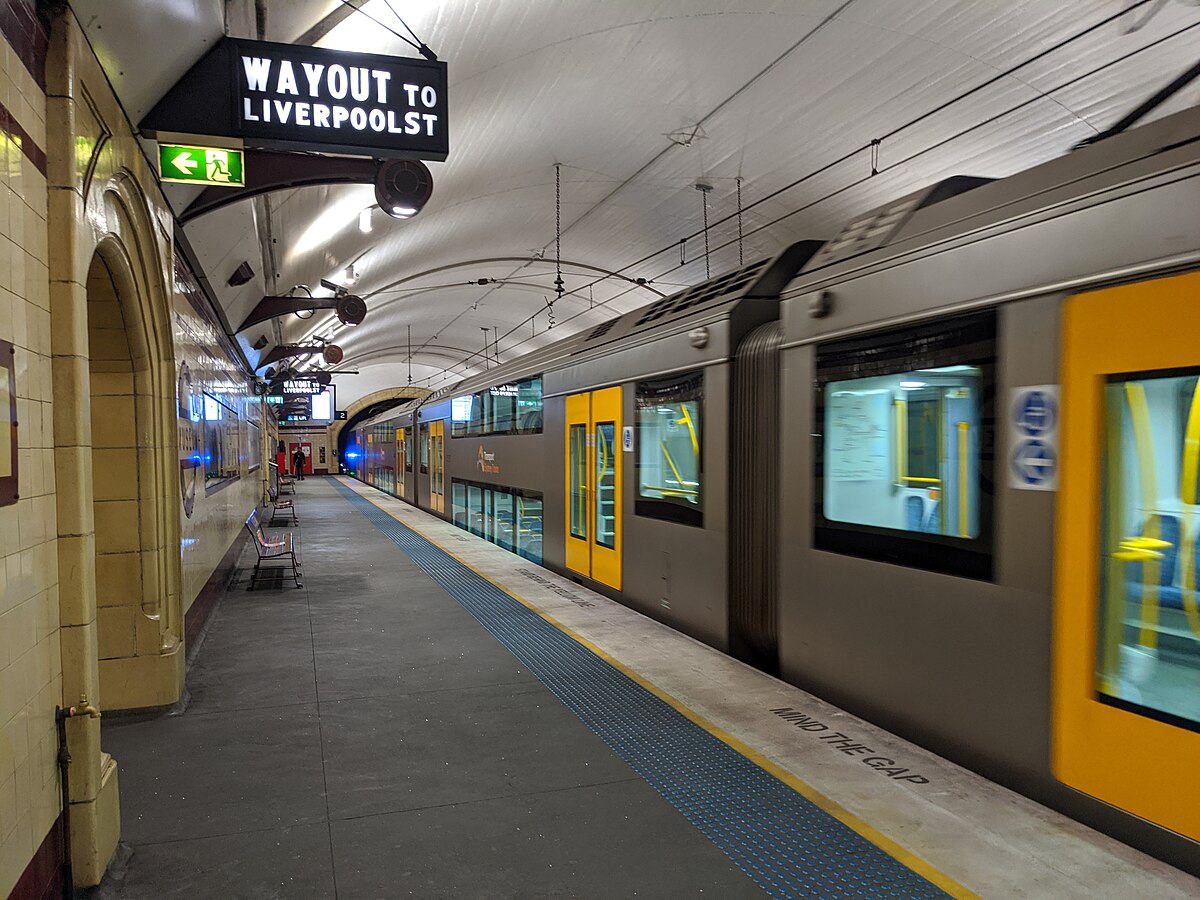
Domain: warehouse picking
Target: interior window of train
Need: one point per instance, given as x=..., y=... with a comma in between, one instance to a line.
x=1149, y=648
x=408, y=449
x=512, y=408
x=904, y=433
x=425, y=449
x=669, y=458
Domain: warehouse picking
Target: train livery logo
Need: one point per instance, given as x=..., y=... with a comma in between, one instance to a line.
x=190, y=438
x=487, y=463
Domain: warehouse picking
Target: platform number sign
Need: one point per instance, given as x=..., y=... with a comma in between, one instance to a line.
x=1033, y=446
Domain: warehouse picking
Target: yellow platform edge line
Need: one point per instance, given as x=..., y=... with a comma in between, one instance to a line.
x=831, y=806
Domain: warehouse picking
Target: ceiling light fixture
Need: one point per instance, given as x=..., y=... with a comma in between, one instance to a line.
x=364, y=220
x=403, y=212
x=350, y=277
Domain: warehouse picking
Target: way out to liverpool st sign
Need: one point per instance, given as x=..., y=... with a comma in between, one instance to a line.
x=293, y=97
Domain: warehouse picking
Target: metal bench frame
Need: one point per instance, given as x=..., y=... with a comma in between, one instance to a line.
x=281, y=549
x=279, y=505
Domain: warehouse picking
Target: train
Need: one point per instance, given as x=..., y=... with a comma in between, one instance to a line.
x=942, y=470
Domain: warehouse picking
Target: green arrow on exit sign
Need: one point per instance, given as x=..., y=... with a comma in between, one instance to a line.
x=201, y=165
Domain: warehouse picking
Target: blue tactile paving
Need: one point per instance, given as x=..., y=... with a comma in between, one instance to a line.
x=788, y=845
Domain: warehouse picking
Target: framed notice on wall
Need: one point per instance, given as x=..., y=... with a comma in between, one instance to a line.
x=8, y=425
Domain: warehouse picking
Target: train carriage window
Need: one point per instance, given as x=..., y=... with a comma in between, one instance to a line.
x=669, y=461
x=424, y=448
x=904, y=446
x=529, y=405
x=1148, y=654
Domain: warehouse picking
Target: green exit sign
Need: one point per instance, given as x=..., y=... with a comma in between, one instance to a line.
x=201, y=165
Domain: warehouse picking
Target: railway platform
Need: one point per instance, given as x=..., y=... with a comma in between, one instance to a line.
x=432, y=716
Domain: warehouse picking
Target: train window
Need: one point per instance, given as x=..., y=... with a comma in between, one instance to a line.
x=408, y=449
x=579, y=482
x=606, y=484
x=513, y=408
x=425, y=449
x=904, y=446
x=460, y=415
x=529, y=525
x=529, y=405
x=458, y=504
x=1149, y=647
x=669, y=461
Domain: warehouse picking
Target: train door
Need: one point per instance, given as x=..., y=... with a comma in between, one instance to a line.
x=401, y=467
x=1126, y=707
x=593, y=455
x=437, y=466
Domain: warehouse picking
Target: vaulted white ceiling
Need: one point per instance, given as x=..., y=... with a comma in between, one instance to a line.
x=637, y=101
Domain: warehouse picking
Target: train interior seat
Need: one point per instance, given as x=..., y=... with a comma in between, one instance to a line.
x=1170, y=593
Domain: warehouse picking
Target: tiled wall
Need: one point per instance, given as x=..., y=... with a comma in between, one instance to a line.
x=215, y=514
x=30, y=664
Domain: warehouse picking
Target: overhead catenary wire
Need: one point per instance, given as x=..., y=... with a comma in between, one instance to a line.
x=866, y=147
x=843, y=158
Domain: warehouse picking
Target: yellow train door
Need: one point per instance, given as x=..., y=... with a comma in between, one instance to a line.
x=1126, y=666
x=593, y=485
x=437, y=466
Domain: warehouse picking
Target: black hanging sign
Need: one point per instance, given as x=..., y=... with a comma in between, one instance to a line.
x=291, y=97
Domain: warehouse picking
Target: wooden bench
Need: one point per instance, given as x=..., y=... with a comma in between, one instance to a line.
x=280, y=506
x=287, y=483
x=281, y=549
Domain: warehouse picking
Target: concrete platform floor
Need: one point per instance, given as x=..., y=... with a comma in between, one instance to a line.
x=366, y=737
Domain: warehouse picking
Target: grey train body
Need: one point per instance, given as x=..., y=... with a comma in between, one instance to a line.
x=958, y=662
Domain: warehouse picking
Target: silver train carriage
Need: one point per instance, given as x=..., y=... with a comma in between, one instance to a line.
x=942, y=470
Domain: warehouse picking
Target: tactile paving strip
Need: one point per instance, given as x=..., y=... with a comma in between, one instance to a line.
x=787, y=844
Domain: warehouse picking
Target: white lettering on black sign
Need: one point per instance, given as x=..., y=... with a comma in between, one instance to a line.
x=307, y=94
x=849, y=746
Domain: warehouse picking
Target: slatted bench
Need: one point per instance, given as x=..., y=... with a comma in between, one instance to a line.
x=280, y=549
x=287, y=484
x=280, y=507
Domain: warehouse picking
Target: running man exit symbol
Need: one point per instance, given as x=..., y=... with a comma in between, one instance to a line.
x=201, y=165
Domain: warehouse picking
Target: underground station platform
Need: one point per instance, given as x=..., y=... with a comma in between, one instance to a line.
x=432, y=716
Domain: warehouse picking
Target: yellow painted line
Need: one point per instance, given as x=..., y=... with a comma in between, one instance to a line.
x=835, y=809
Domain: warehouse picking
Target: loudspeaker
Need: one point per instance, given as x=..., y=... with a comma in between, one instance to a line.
x=332, y=354
x=351, y=309
x=403, y=187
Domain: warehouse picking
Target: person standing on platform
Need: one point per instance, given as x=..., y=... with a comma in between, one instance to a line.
x=298, y=463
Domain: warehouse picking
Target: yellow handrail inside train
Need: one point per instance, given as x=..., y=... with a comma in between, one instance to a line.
x=1189, y=475
x=670, y=462
x=1144, y=442
x=963, y=427
x=901, y=440
x=691, y=429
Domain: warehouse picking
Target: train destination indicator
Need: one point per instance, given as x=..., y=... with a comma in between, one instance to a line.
x=201, y=165
x=291, y=97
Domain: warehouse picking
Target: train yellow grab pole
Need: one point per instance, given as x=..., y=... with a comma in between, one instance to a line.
x=1143, y=440
x=901, y=440
x=1189, y=491
x=691, y=429
x=963, y=428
